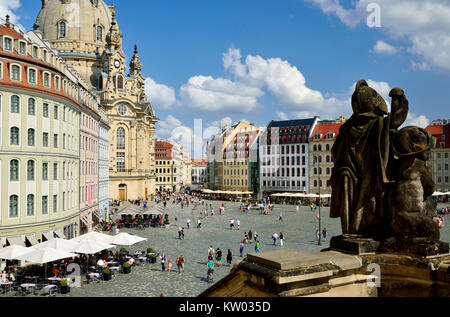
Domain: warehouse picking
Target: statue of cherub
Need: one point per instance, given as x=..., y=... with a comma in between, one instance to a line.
x=410, y=205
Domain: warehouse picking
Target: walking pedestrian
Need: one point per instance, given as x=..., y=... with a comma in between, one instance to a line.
x=218, y=257
x=199, y=223
x=179, y=233
x=317, y=234
x=250, y=236
x=255, y=234
x=281, y=238
x=281, y=217
x=178, y=264
x=229, y=257
x=231, y=224
x=274, y=237
x=163, y=261
x=182, y=233
x=169, y=266
x=257, y=246
x=241, y=248
x=324, y=234
x=182, y=260
x=188, y=222
x=238, y=223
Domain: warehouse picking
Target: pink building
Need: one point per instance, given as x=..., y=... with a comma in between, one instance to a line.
x=89, y=132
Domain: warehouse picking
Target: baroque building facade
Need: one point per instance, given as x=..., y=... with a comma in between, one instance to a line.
x=88, y=38
x=41, y=104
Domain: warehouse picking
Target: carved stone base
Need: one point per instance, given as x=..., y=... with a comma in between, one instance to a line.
x=410, y=248
x=355, y=244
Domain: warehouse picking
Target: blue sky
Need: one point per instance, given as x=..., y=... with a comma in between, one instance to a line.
x=297, y=57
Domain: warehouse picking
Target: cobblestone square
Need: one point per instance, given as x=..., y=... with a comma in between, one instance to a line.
x=148, y=280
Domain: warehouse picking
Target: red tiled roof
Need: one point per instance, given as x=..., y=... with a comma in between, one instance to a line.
x=325, y=128
x=437, y=131
x=199, y=161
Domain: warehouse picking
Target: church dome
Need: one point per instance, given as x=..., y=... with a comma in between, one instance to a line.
x=77, y=26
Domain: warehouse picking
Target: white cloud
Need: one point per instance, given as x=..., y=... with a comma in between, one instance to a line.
x=226, y=121
x=282, y=115
x=424, y=23
x=283, y=80
x=165, y=127
x=160, y=96
x=416, y=120
x=205, y=93
x=382, y=47
x=7, y=7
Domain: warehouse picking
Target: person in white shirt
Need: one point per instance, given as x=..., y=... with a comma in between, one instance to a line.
x=274, y=237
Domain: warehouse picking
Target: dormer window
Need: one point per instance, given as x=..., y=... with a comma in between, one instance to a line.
x=8, y=44
x=35, y=52
x=22, y=48
x=15, y=72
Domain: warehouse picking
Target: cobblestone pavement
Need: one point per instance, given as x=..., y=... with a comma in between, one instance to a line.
x=148, y=280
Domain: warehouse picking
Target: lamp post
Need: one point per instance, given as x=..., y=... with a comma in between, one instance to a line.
x=318, y=173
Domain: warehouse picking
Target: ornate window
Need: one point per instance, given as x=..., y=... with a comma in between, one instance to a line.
x=120, y=162
x=8, y=44
x=99, y=33
x=121, y=138
x=119, y=79
x=122, y=110
x=62, y=29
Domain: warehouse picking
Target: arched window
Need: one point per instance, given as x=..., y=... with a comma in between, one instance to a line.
x=15, y=104
x=30, y=205
x=121, y=138
x=14, y=137
x=62, y=29
x=31, y=107
x=30, y=170
x=119, y=82
x=13, y=206
x=31, y=137
x=14, y=170
x=99, y=33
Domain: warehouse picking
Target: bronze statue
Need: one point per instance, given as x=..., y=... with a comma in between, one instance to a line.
x=380, y=182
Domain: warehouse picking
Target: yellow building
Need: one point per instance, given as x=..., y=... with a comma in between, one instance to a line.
x=89, y=39
x=320, y=158
x=238, y=168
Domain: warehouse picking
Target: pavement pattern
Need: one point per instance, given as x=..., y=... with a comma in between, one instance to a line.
x=149, y=280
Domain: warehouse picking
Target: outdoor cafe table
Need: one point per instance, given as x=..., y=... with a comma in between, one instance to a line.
x=54, y=279
x=6, y=286
x=26, y=286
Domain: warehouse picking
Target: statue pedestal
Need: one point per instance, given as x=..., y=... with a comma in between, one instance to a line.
x=355, y=244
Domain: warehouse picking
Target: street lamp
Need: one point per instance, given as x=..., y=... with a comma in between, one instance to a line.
x=318, y=172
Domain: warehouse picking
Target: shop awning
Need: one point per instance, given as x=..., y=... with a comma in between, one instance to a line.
x=16, y=241
x=47, y=235
x=32, y=239
x=60, y=234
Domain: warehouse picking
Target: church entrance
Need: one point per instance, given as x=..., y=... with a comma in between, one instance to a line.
x=122, y=192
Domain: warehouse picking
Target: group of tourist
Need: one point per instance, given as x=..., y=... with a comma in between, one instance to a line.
x=180, y=261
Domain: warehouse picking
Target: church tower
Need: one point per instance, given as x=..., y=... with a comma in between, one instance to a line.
x=88, y=37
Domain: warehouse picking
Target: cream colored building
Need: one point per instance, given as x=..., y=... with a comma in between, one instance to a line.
x=41, y=100
x=89, y=39
x=238, y=161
